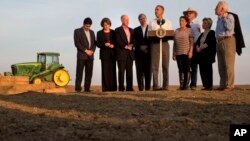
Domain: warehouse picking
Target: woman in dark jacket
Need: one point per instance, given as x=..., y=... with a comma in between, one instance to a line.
x=106, y=43
x=206, y=48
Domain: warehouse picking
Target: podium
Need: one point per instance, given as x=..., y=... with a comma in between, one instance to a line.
x=161, y=34
x=169, y=34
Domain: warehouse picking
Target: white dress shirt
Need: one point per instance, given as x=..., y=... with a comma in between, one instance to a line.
x=87, y=33
x=143, y=31
x=154, y=26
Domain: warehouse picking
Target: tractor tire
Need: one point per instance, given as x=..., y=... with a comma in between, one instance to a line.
x=61, y=77
x=37, y=81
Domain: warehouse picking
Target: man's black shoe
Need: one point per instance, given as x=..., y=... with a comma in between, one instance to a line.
x=157, y=89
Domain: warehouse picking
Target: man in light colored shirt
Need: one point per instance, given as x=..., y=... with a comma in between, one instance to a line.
x=155, y=50
x=197, y=29
x=226, y=46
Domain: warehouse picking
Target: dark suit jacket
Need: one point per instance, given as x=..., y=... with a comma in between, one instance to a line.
x=106, y=53
x=238, y=34
x=81, y=43
x=207, y=55
x=121, y=42
x=139, y=41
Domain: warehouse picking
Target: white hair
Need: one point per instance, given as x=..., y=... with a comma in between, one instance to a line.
x=224, y=5
x=123, y=16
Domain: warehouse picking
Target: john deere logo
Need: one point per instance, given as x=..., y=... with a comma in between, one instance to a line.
x=160, y=33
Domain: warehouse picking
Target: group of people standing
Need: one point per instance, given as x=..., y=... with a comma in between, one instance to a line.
x=194, y=44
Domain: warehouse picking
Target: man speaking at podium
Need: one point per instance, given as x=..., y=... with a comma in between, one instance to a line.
x=160, y=22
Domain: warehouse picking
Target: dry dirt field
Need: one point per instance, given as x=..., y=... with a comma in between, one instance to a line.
x=134, y=116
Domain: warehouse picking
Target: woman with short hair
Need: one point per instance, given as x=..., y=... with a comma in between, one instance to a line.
x=106, y=43
x=206, y=48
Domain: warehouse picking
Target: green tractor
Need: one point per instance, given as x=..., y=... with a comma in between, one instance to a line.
x=46, y=69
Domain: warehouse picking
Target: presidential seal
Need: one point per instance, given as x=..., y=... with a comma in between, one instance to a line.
x=160, y=33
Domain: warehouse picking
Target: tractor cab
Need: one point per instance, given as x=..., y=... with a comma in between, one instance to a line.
x=47, y=59
x=51, y=70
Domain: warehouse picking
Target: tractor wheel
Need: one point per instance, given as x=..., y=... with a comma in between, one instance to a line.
x=37, y=81
x=61, y=77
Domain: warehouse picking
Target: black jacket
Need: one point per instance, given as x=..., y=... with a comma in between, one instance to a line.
x=81, y=43
x=238, y=34
x=106, y=53
x=122, y=42
x=140, y=40
x=207, y=55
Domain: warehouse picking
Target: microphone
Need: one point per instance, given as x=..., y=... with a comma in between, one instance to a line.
x=160, y=21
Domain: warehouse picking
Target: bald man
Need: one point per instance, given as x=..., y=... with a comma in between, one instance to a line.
x=125, y=53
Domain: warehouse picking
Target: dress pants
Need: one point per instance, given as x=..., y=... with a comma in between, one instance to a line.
x=143, y=71
x=88, y=65
x=206, y=72
x=125, y=65
x=226, y=60
x=109, y=81
x=183, y=63
x=194, y=69
x=155, y=57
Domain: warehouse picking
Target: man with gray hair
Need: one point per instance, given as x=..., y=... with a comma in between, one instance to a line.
x=226, y=46
x=125, y=39
x=142, y=54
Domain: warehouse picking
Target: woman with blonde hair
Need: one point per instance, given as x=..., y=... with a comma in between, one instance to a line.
x=206, y=48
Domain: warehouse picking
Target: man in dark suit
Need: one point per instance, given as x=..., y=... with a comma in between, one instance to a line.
x=84, y=39
x=125, y=53
x=142, y=54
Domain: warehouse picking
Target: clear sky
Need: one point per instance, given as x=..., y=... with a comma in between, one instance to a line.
x=30, y=26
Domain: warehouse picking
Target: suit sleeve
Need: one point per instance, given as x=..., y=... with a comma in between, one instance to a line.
x=99, y=40
x=132, y=37
x=211, y=42
x=93, y=44
x=118, y=37
x=137, y=40
x=77, y=41
x=113, y=39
